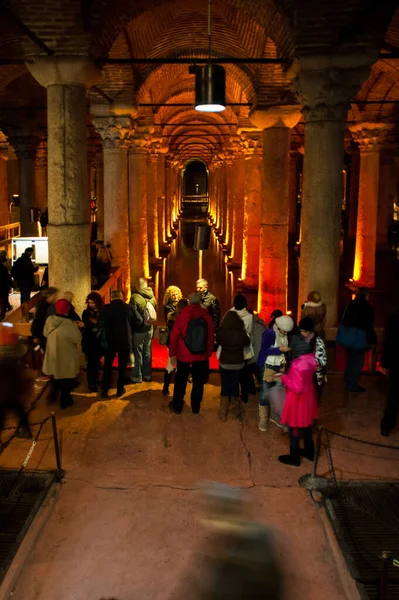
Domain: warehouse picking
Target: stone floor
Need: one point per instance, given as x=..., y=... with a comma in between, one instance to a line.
x=127, y=521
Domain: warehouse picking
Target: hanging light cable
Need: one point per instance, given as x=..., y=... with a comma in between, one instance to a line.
x=210, y=79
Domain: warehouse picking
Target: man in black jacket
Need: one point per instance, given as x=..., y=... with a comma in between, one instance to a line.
x=119, y=321
x=390, y=366
x=23, y=272
x=210, y=302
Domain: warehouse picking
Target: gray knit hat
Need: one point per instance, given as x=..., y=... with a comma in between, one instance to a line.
x=285, y=323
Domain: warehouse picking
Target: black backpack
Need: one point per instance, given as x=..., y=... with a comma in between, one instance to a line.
x=196, y=338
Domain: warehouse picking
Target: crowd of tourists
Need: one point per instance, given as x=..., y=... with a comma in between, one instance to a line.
x=285, y=362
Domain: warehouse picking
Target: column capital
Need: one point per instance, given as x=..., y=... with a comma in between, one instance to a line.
x=114, y=131
x=325, y=90
x=64, y=70
x=139, y=144
x=252, y=143
x=276, y=116
x=24, y=144
x=370, y=136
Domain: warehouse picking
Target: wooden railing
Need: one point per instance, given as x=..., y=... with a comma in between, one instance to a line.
x=7, y=232
x=19, y=317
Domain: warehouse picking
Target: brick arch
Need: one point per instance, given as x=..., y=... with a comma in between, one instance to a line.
x=271, y=15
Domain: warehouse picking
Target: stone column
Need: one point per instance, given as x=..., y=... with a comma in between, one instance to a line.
x=229, y=202
x=114, y=132
x=25, y=149
x=66, y=80
x=293, y=196
x=138, y=231
x=252, y=211
x=168, y=198
x=385, y=202
x=99, y=192
x=238, y=207
x=152, y=205
x=161, y=190
x=4, y=214
x=40, y=166
x=370, y=137
x=273, y=255
x=325, y=88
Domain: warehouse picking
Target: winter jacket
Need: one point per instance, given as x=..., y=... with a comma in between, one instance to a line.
x=170, y=311
x=267, y=347
x=61, y=358
x=39, y=319
x=317, y=311
x=246, y=318
x=390, y=353
x=139, y=300
x=177, y=346
x=90, y=341
x=300, y=406
x=233, y=339
x=210, y=302
x=24, y=271
x=258, y=329
x=120, y=320
x=360, y=315
x=5, y=281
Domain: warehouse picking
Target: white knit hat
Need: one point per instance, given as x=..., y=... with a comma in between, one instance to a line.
x=285, y=323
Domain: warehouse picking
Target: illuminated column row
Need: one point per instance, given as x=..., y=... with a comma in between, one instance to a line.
x=370, y=137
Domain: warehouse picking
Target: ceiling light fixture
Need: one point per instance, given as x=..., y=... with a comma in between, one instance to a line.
x=210, y=80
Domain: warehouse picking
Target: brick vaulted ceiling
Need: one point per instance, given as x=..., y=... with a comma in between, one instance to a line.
x=178, y=28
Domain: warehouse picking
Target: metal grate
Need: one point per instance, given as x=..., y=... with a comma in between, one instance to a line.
x=21, y=494
x=365, y=517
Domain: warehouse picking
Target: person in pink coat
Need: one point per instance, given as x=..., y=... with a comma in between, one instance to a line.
x=300, y=407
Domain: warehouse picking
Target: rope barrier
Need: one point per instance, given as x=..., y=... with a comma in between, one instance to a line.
x=353, y=439
x=30, y=424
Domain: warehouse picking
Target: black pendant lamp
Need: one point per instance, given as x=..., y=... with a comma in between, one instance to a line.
x=210, y=81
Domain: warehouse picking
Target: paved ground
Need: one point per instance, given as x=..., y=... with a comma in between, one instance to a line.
x=127, y=522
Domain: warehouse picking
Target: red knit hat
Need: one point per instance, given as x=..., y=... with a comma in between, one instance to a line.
x=62, y=307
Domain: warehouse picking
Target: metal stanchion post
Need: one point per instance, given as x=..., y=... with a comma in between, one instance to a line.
x=317, y=451
x=385, y=556
x=56, y=445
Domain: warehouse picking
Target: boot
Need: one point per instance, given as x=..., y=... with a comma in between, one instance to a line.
x=223, y=408
x=236, y=411
x=263, y=417
x=308, y=452
x=166, y=382
x=292, y=459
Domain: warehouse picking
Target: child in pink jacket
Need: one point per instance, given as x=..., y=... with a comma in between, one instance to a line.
x=300, y=407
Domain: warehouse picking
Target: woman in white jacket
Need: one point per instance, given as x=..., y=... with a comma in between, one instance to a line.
x=61, y=359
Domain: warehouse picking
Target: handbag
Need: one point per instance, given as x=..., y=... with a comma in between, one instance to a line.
x=163, y=334
x=248, y=352
x=102, y=338
x=352, y=338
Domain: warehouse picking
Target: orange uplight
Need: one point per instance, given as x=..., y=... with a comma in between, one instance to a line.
x=357, y=265
x=289, y=312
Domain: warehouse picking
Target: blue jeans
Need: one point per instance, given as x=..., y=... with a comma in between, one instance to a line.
x=142, y=350
x=266, y=386
x=354, y=366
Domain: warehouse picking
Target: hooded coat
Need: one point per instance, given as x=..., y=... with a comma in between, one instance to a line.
x=139, y=299
x=300, y=407
x=317, y=311
x=61, y=358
